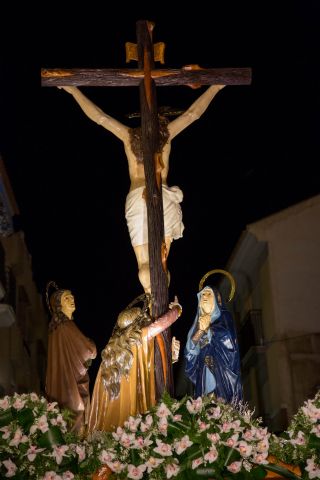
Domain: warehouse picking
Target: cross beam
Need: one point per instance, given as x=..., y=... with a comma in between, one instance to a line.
x=132, y=77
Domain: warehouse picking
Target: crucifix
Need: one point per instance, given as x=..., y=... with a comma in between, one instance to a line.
x=148, y=78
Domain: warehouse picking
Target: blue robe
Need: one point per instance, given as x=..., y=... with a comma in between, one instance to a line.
x=213, y=364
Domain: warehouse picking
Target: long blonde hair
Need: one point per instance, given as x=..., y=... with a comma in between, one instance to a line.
x=117, y=356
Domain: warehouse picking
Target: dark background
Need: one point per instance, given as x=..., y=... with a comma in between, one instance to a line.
x=254, y=152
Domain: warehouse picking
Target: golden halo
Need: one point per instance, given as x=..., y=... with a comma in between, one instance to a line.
x=224, y=272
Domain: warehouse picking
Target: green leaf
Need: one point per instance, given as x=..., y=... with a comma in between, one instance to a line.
x=6, y=418
x=258, y=472
x=25, y=418
x=314, y=441
x=52, y=437
x=284, y=472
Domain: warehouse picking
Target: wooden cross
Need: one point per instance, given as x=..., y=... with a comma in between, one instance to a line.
x=147, y=78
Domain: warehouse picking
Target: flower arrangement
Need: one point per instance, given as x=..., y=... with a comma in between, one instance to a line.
x=35, y=443
x=186, y=439
x=300, y=444
x=190, y=438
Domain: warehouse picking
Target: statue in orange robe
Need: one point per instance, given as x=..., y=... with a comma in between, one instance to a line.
x=69, y=355
x=125, y=383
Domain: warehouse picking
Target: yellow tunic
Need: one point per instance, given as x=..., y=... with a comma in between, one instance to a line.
x=137, y=392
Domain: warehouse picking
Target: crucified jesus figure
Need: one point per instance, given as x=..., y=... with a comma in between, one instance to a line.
x=135, y=209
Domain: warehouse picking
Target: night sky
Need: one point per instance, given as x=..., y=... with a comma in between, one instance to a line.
x=254, y=152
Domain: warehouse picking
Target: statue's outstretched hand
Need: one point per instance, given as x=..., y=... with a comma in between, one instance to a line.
x=69, y=89
x=175, y=303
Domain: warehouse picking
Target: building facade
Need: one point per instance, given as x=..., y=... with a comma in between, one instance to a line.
x=276, y=264
x=23, y=320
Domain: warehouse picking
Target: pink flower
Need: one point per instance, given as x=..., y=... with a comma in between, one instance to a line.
x=164, y=449
x=263, y=445
x=172, y=470
x=67, y=475
x=203, y=426
x=141, y=442
x=6, y=433
x=59, y=451
x=245, y=449
x=51, y=476
x=163, y=411
x=212, y=455
x=153, y=463
x=4, y=403
x=116, y=466
x=81, y=451
x=32, y=452
x=196, y=463
x=18, y=404
x=41, y=424
x=163, y=426
x=316, y=430
x=106, y=456
x=11, y=468
x=136, y=472
x=260, y=458
x=313, y=469
x=51, y=407
x=194, y=406
x=132, y=423
x=234, y=467
x=18, y=438
x=299, y=440
x=213, y=437
x=177, y=418
x=126, y=439
x=181, y=445
x=117, y=434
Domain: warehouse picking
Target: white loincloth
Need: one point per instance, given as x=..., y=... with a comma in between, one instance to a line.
x=136, y=214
